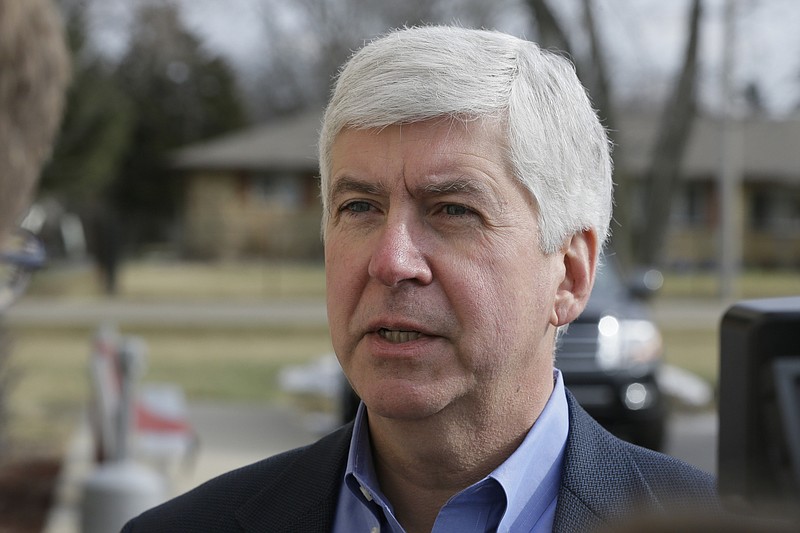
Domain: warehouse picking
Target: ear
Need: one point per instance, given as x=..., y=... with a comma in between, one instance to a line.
x=580, y=263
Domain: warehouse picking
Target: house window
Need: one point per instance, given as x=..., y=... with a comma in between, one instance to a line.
x=759, y=210
x=283, y=190
x=775, y=208
x=691, y=206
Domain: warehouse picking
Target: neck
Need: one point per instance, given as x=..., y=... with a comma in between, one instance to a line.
x=422, y=463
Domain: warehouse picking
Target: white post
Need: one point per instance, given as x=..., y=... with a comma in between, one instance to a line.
x=730, y=176
x=120, y=489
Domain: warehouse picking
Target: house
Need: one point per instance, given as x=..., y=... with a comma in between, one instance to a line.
x=768, y=157
x=255, y=192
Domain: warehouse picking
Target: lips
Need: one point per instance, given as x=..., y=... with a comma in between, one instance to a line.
x=397, y=336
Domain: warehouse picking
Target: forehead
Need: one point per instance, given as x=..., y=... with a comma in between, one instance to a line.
x=421, y=151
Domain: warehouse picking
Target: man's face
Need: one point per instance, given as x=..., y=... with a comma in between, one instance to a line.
x=438, y=294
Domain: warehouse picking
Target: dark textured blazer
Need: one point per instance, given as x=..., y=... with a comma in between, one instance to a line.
x=604, y=478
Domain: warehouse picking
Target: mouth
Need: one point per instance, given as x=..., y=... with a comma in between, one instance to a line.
x=397, y=336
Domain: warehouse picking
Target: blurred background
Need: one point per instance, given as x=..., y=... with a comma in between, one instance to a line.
x=181, y=201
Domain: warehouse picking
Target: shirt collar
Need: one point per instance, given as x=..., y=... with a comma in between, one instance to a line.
x=530, y=477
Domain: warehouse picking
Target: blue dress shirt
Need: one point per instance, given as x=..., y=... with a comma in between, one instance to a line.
x=518, y=496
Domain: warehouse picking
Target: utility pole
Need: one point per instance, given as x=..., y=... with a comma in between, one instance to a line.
x=729, y=231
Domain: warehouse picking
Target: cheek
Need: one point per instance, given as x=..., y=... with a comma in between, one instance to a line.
x=508, y=301
x=484, y=303
x=342, y=277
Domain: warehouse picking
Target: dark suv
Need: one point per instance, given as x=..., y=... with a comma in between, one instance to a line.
x=609, y=358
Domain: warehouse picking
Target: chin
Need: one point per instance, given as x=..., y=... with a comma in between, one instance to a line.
x=402, y=403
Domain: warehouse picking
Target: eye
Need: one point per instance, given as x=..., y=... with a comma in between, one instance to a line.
x=357, y=206
x=455, y=210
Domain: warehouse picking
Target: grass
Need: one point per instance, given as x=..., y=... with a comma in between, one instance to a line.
x=221, y=364
x=257, y=281
x=240, y=364
x=189, y=281
x=751, y=284
x=695, y=350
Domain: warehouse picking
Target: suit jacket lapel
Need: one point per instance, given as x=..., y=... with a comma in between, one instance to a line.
x=599, y=476
x=303, y=497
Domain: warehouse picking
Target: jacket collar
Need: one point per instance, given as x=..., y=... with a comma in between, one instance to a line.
x=598, y=474
x=303, y=496
x=596, y=478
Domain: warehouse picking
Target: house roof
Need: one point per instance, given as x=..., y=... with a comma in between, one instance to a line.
x=770, y=150
x=766, y=149
x=286, y=144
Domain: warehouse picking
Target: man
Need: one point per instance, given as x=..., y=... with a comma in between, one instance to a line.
x=466, y=186
x=34, y=70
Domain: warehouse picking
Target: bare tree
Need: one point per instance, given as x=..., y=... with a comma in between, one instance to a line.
x=550, y=33
x=661, y=178
x=308, y=41
x=664, y=170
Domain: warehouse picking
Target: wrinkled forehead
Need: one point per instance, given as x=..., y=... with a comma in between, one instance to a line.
x=428, y=159
x=486, y=137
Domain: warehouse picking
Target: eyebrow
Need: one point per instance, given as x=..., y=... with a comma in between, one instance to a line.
x=346, y=184
x=457, y=185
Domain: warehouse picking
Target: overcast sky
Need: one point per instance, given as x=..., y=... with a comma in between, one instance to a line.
x=645, y=38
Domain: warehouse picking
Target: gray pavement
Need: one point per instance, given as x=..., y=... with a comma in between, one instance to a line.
x=234, y=435
x=686, y=313
x=90, y=312
x=230, y=436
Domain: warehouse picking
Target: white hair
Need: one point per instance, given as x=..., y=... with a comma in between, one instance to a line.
x=557, y=147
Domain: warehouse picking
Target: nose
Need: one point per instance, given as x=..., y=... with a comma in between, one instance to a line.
x=397, y=256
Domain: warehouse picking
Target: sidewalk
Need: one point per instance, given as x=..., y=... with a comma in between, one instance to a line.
x=231, y=435
x=91, y=312
x=234, y=435
x=689, y=313
x=679, y=312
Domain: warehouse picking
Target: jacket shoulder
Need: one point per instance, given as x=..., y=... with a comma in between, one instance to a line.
x=671, y=478
x=215, y=505
x=606, y=479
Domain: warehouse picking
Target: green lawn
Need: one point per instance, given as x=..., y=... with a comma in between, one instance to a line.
x=240, y=364
x=260, y=280
x=237, y=365
x=695, y=350
x=146, y=280
x=751, y=284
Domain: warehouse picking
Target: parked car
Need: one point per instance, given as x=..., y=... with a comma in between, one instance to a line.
x=609, y=358
x=611, y=354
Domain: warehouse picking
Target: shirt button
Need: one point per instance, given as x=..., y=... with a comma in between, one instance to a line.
x=375, y=529
x=366, y=493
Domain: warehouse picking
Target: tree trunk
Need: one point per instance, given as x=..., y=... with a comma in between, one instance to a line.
x=551, y=35
x=595, y=77
x=664, y=172
x=593, y=74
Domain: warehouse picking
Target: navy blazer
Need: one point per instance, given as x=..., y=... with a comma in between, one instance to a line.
x=604, y=478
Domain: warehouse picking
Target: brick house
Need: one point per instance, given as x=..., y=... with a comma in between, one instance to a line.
x=255, y=192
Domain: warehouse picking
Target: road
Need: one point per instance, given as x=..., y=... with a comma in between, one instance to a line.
x=691, y=436
x=88, y=312
x=235, y=435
